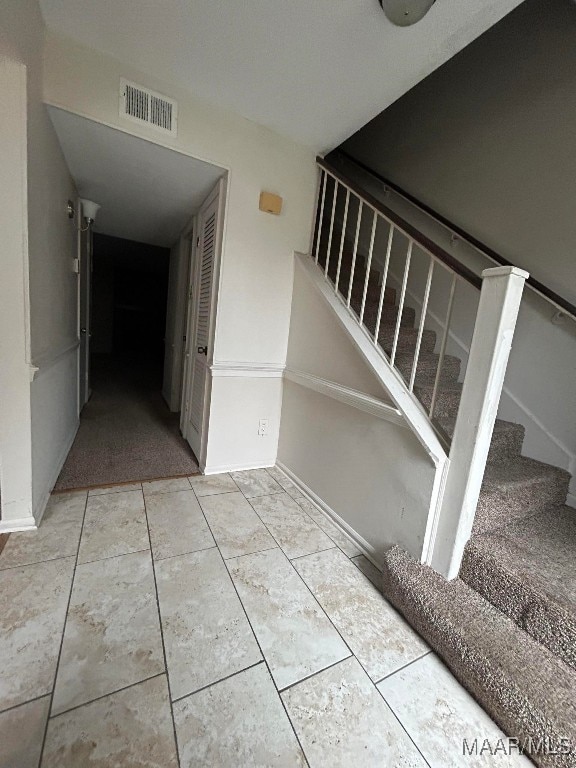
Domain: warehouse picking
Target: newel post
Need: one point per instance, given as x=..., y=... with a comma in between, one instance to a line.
x=495, y=323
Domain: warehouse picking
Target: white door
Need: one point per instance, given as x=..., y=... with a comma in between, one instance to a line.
x=201, y=319
x=85, y=314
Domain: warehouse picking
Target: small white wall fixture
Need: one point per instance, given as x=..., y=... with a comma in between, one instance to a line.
x=495, y=323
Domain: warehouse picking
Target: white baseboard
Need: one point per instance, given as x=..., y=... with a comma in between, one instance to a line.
x=571, y=500
x=218, y=469
x=40, y=507
x=365, y=547
x=18, y=524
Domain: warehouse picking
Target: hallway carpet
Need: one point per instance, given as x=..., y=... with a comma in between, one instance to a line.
x=126, y=431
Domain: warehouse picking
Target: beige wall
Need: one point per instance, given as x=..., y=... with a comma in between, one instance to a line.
x=256, y=270
x=372, y=473
x=47, y=299
x=488, y=140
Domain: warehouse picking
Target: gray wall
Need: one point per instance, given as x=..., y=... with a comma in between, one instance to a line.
x=489, y=140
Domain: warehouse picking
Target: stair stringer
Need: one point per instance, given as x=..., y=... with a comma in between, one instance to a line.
x=412, y=412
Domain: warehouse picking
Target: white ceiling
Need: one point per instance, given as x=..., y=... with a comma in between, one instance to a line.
x=148, y=193
x=314, y=70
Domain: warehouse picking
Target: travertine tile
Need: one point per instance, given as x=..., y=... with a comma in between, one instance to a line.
x=165, y=486
x=176, y=524
x=369, y=570
x=236, y=527
x=112, y=636
x=115, y=524
x=114, y=489
x=292, y=528
x=287, y=485
x=439, y=714
x=237, y=722
x=206, y=633
x=338, y=537
x=376, y=634
x=208, y=485
x=57, y=535
x=341, y=720
x=22, y=733
x=34, y=600
x=130, y=728
x=295, y=636
x=255, y=482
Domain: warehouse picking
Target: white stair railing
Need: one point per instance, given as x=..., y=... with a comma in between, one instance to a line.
x=346, y=247
x=332, y=230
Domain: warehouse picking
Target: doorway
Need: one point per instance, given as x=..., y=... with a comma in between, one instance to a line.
x=152, y=206
x=127, y=431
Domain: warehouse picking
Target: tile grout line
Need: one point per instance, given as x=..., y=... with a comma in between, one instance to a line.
x=180, y=554
x=112, y=557
x=217, y=682
x=255, y=637
x=106, y=695
x=315, y=674
x=198, y=498
x=265, y=660
x=161, y=632
x=57, y=668
x=272, y=535
x=353, y=655
x=318, y=551
x=401, y=724
x=404, y=666
x=310, y=591
x=247, y=554
x=36, y=562
x=23, y=703
x=253, y=508
x=360, y=663
x=321, y=608
x=314, y=521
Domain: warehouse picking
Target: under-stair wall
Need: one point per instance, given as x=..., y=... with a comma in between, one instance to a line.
x=365, y=466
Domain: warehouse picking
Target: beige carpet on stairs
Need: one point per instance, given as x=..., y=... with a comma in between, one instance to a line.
x=126, y=431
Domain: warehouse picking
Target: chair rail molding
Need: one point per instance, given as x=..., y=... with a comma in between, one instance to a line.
x=225, y=368
x=45, y=361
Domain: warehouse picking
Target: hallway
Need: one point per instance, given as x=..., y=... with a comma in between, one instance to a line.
x=214, y=621
x=126, y=431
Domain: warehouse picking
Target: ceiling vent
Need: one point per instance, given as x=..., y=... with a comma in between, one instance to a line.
x=141, y=105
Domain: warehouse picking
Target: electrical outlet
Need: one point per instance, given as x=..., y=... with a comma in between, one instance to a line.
x=263, y=427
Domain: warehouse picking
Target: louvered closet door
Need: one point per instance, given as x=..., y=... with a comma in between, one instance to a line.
x=200, y=352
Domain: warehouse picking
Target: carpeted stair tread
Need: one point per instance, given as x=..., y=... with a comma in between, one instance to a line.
x=527, y=690
x=447, y=400
x=506, y=443
x=388, y=315
x=527, y=571
x=517, y=489
x=407, y=339
x=427, y=365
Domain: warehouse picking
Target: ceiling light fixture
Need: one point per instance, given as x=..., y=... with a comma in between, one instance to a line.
x=403, y=13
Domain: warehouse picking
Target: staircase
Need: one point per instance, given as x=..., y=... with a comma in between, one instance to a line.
x=507, y=625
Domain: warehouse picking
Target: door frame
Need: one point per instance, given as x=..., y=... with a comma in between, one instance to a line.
x=85, y=269
x=220, y=191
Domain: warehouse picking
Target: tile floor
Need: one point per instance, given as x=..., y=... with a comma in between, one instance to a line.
x=213, y=621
